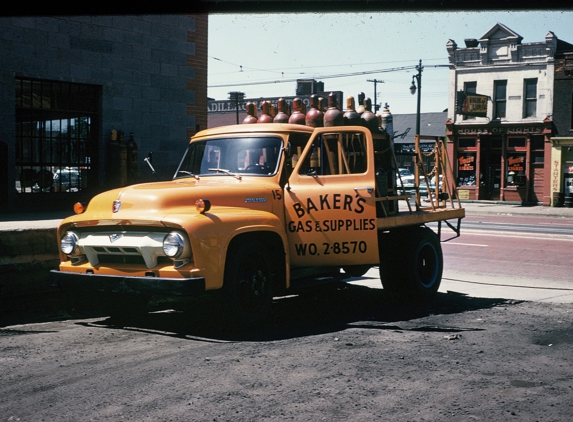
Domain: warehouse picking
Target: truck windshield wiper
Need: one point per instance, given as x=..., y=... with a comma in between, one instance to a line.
x=187, y=173
x=229, y=172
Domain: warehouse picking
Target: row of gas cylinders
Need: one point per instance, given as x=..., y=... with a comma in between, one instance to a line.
x=320, y=116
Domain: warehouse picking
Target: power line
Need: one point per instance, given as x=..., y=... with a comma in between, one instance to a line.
x=339, y=75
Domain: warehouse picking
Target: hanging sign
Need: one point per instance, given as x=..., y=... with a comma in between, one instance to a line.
x=471, y=104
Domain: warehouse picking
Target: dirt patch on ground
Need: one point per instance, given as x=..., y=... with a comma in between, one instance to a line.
x=337, y=353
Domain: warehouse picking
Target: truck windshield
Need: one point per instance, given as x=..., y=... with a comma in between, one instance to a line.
x=231, y=156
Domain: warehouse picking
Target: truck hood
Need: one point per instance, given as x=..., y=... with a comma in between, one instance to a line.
x=152, y=203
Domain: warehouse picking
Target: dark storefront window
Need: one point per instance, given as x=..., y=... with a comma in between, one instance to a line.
x=530, y=98
x=515, y=166
x=499, y=99
x=515, y=162
x=466, y=169
x=56, y=135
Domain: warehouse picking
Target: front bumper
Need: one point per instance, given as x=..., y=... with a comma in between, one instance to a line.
x=127, y=284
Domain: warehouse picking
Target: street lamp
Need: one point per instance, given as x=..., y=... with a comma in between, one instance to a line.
x=417, y=78
x=236, y=97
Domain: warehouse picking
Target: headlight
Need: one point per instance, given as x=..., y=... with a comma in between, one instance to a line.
x=173, y=245
x=68, y=243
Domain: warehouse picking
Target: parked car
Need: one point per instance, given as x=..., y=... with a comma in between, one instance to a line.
x=405, y=181
x=66, y=180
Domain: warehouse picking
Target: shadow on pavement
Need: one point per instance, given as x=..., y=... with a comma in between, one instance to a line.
x=322, y=310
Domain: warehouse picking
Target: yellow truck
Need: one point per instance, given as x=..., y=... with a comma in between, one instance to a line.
x=257, y=210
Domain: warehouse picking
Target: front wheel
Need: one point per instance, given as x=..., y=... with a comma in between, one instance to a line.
x=249, y=285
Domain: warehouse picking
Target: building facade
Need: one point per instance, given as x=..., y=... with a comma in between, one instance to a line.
x=84, y=99
x=501, y=115
x=562, y=142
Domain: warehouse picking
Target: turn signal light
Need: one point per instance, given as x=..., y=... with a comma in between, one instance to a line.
x=203, y=205
x=80, y=207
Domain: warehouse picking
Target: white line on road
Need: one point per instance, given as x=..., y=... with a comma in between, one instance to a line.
x=466, y=244
x=560, y=237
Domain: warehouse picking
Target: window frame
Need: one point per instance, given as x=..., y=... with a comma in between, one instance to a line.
x=57, y=132
x=529, y=101
x=470, y=87
x=499, y=101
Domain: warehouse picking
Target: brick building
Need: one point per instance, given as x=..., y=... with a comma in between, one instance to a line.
x=503, y=111
x=67, y=82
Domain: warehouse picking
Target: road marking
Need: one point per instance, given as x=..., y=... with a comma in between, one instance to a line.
x=467, y=244
x=560, y=237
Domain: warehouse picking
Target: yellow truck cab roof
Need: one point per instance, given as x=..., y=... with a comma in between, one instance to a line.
x=254, y=128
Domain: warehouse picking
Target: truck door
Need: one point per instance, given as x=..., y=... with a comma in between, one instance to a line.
x=329, y=200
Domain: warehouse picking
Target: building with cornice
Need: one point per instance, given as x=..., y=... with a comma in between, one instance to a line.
x=501, y=115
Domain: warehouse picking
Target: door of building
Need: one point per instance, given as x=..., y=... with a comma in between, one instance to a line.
x=490, y=169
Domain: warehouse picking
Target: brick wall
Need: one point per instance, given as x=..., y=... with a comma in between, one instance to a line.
x=198, y=83
x=152, y=70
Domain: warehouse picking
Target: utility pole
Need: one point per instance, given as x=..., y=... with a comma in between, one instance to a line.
x=236, y=97
x=376, y=81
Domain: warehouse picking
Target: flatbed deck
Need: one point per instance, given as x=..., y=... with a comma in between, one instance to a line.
x=411, y=218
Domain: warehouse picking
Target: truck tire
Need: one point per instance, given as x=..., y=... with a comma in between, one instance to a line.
x=413, y=268
x=423, y=264
x=248, y=285
x=127, y=308
x=388, y=245
x=356, y=270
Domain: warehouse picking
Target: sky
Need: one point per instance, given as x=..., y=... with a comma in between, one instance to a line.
x=262, y=55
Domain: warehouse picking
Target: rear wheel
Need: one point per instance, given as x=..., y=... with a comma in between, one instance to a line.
x=249, y=284
x=425, y=263
x=413, y=263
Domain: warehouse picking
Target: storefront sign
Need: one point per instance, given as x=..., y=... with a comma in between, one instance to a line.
x=222, y=106
x=516, y=163
x=521, y=130
x=471, y=104
x=466, y=163
x=555, y=177
x=463, y=194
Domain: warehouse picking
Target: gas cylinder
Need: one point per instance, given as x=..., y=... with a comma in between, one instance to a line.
x=360, y=107
x=265, y=112
x=369, y=119
x=333, y=116
x=351, y=117
x=387, y=120
x=297, y=117
x=314, y=117
x=282, y=116
x=251, y=113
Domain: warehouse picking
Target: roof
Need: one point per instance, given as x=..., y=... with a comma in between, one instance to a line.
x=431, y=124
